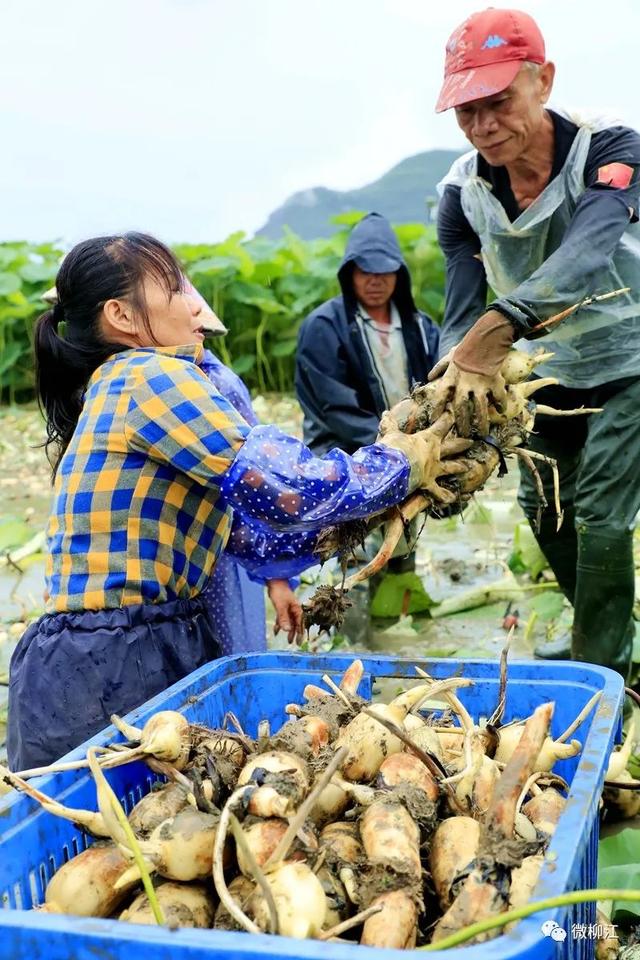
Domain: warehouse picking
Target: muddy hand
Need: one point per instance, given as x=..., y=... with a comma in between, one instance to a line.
x=441, y=366
x=473, y=378
x=425, y=452
x=404, y=416
x=469, y=395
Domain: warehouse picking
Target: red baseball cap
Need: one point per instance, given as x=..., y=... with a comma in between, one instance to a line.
x=485, y=53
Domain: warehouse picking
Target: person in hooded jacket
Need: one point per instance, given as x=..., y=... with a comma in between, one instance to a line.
x=362, y=351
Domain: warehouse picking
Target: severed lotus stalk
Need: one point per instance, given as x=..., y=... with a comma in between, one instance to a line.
x=114, y=755
x=586, y=301
x=552, y=750
x=368, y=739
x=474, y=775
x=166, y=736
x=89, y=820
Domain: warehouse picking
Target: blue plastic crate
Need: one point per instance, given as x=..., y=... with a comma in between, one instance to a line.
x=34, y=844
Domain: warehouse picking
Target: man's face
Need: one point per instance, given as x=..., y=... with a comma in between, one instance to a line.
x=503, y=127
x=373, y=289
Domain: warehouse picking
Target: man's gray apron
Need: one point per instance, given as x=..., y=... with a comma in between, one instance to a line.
x=602, y=341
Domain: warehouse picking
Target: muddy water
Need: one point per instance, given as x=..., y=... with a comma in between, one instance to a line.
x=454, y=559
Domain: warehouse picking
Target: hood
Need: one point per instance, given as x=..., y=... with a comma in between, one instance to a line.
x=373, y=247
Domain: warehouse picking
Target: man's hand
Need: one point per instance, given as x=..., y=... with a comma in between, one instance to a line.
x=471, y=378
x=469, y=395
x=288, y=609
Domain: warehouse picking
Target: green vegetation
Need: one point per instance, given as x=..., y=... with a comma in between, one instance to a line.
x=261, y=288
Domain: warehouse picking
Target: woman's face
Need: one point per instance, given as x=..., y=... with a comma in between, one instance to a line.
x=174, y=320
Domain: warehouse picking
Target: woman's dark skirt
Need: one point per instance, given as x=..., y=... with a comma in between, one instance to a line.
x=71, y=671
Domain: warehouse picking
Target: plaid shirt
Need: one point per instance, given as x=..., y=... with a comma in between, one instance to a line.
x=136, y=515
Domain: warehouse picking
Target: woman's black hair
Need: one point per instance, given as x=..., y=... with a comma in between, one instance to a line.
x=97, y=270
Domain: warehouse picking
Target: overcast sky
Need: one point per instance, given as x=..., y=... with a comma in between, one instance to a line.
x=193, y=118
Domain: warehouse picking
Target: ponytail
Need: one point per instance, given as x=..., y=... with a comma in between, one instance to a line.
x=63, y=370
x=93, y=272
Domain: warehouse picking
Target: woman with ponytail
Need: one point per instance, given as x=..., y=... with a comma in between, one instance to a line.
x=151, y=464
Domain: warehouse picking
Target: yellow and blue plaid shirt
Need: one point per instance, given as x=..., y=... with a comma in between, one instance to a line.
x=136, y=514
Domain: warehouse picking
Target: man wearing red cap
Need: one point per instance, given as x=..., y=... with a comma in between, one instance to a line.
x=544, y=212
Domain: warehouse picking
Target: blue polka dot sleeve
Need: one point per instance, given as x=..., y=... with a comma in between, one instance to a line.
x=267, y=554
x=276, y=480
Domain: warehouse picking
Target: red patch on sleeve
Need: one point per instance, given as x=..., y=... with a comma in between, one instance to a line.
x=615, y=175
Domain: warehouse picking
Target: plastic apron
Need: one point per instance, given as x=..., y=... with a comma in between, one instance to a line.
x=235, y=601
x=600, y=342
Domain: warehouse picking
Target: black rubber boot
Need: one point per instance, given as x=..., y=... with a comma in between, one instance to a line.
x=557, y=649
x=402, y=564
x=603, y=627
x=560, y=547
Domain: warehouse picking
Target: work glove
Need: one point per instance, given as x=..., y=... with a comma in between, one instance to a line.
x=470, y=378
x=426, y=452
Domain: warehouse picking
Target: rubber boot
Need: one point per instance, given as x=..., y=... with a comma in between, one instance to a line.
x=560, y=547
x=402, y=564
x=559, y=648
x=603, y=627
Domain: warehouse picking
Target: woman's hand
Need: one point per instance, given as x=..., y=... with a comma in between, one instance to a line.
x=426, y=452
x=288, y=609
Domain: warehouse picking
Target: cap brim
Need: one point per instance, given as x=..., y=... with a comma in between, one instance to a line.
x=211, y=323
x=50, y=295
x=377, y=263
x=476, y=83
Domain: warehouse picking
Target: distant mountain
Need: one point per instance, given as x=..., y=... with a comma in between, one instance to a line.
x=401, y=194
